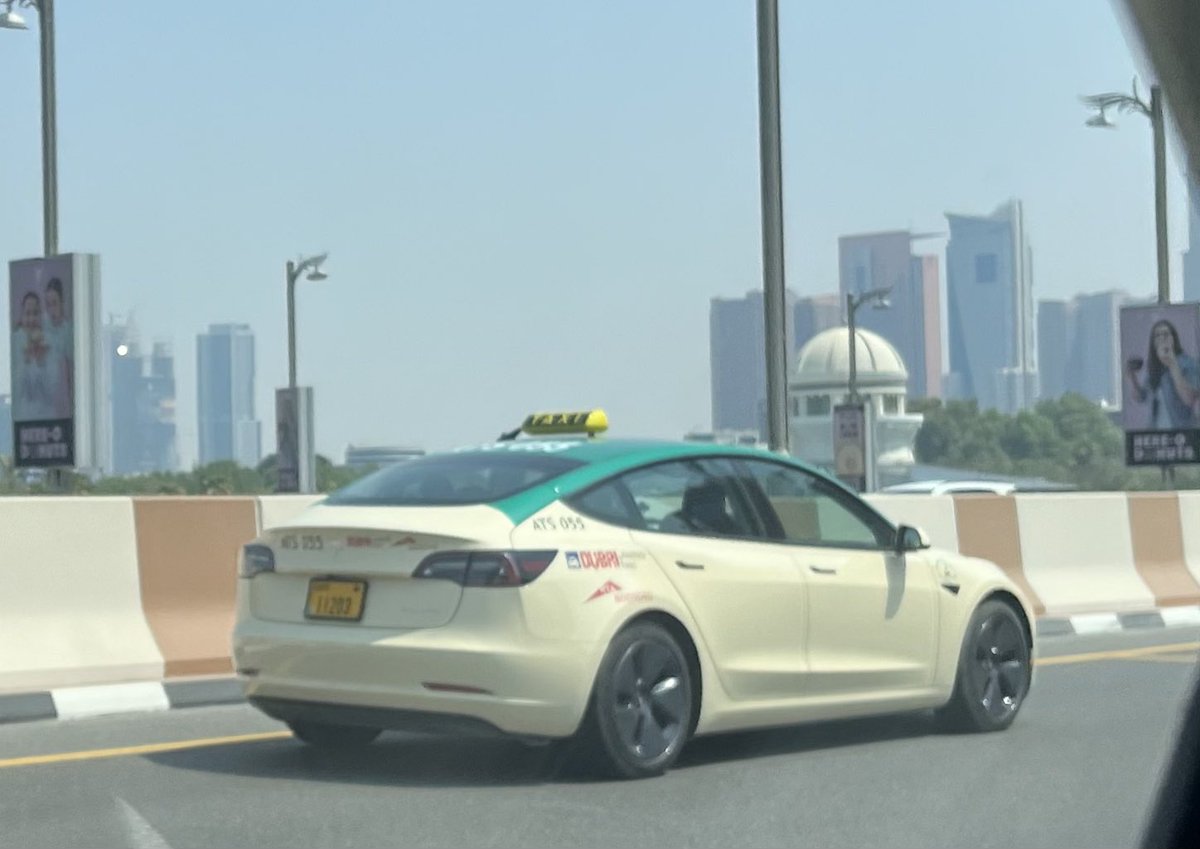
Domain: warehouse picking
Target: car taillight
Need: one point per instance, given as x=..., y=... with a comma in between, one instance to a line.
x=485, y=568
x=254, y=560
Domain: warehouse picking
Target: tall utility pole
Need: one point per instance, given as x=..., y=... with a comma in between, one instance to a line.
x=1154, y=112
x=1160, y=193
x=49, y=132
x=771, y=164
x=12, y=20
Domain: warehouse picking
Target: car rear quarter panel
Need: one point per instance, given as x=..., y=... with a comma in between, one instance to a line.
x=599, y=583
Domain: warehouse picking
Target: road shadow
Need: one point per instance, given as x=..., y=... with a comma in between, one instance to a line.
x=396, y=759
x=400, y=760
x=797, y=739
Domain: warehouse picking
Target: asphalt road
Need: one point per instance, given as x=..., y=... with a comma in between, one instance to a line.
x=1079, y=768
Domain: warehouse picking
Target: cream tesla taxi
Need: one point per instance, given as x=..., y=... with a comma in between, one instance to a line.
x=619, y=595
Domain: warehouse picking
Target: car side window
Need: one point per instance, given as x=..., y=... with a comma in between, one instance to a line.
x=813, y=511
x=701, y=498
x=610, y=502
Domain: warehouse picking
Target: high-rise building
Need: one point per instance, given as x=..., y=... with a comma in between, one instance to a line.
x=990, y=309
x=737, y=356
x=6, y=425
x=228, y=428
x=814, y=314
x=141, y=402
x=1094, y=367
x=1079, y=346
x=1056, y=329
x=1191, y=257
x=912, y=322
x=160, y=408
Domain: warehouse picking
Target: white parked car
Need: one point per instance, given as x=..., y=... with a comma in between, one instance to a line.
x=950, y=487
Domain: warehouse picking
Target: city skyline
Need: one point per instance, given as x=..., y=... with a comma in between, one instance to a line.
x=140, y=401
x=565, y=190
x=912, y=320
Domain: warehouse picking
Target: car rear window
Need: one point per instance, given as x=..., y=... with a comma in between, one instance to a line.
x=449, y=479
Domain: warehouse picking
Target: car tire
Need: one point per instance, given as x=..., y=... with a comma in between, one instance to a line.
x=642, y=708
x=326, y=736
x=994, y=669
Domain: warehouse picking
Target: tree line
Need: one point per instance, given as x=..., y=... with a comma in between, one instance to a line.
x=1067, y=440
x=221, y=478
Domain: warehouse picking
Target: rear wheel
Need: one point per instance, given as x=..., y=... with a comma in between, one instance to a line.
x=642, y=706
x=993, y=672
x=325, y=736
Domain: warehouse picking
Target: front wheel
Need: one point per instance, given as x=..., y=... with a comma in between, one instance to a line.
x=993, y=672
x=642, y=706
x=326, y=736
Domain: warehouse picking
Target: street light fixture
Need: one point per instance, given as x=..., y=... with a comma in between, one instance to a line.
x=1153, y=111
x=12, y=20
x=310, y=269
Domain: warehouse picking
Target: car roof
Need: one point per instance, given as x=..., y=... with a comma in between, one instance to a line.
x=600, y=449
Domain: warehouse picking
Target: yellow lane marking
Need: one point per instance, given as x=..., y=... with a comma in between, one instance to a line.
x=147, y=749
x=1170, y=658
x=1118, y=654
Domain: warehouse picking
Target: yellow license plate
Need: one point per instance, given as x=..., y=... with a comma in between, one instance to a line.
x=329, y=599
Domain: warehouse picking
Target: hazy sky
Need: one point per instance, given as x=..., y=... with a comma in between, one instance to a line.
x=529, y=204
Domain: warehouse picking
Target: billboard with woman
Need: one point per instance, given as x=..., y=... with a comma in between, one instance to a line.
x=1160, y=364
x=54, y=336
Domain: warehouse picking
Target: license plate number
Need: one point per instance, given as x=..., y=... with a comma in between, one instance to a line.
x=341, y=600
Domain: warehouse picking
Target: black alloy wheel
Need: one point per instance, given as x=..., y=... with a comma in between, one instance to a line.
x=642, y=706
x=994, y=671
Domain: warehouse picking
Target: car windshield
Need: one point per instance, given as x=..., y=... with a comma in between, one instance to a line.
x=450, y=479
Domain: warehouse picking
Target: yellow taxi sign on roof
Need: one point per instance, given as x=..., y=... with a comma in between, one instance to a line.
x=591, y=422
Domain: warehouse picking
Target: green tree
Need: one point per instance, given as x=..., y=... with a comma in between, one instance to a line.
x=1069, y=440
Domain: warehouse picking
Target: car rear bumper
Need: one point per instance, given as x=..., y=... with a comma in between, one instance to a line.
x=423, y=722
x=528, y=687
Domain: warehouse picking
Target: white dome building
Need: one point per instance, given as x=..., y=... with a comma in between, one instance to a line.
x=821, y=380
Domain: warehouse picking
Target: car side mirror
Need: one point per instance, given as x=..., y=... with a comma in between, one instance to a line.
x=910, y=539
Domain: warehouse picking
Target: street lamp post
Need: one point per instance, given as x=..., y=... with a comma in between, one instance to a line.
x=295, y=454
x=865, y=413
x=310, y=268
x=1154, y=112
x=878, y=297
x=771, y=177
x=12, y=20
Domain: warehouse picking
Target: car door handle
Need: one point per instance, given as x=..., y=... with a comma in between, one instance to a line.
x=683, y=565
x=824, y=570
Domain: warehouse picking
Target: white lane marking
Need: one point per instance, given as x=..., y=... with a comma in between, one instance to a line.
x=1171, y=616
x=142, y=835
x=1095, y=623
x=76, y=702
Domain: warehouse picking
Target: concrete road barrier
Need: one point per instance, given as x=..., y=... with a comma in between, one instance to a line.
x=71, y=611
x=1077, y=552
x=187, y=559
x=106, y=591
x=934, y=514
